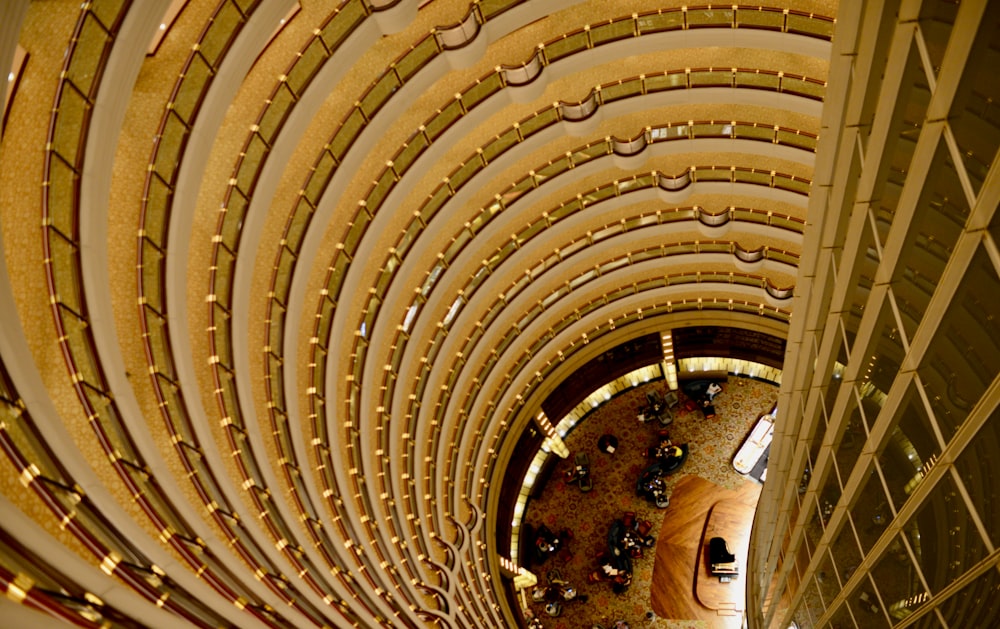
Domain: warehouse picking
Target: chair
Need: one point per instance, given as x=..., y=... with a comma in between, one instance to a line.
x=643, y=527
x=671, y=399
x=708, y=409
x=583, y=471
x=673, y=463
x=607, y=443
x=653, y=398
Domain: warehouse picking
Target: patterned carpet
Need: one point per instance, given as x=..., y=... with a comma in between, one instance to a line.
x=588, y=515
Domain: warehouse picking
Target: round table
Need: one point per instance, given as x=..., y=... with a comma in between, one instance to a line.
x=607, y=444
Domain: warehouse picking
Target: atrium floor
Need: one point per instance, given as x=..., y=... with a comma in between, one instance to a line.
x=662, y=593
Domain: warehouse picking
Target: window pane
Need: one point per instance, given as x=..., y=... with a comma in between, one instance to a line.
x=975, y=605
x=911, y=449
x=929, y=621
x=836, y=379
x=908, y=119
x=862, y=279
x=978, y=137
x=827, y=583
x=884, y=355
x=842, y=618
x=866, y=607
x=851, y=441
x=846, y=553
x=977, y=467
x=897, y=582
x=944, y=536
x=964, y=357
x=871, y=406
x=812, y=604
x=871, y=512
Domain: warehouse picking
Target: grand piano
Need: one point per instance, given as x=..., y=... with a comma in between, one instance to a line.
x=721, y=562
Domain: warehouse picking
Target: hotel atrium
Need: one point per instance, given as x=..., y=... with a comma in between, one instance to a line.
x=294, y=295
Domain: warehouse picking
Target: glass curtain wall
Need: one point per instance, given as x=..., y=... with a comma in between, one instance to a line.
x=883, y=509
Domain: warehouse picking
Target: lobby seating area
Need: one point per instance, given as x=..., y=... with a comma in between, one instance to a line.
x=609, y=588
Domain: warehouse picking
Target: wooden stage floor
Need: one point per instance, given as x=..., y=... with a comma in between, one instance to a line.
x=680, y=558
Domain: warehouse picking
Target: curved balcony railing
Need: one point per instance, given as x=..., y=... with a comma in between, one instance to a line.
x=61, y=222
x=69, y=125
x=713, y=220
x=573, y=158
x=83, y=68
x=372, y=106
x=521, y=239
x=327, y=165
x=575, y=112
x=186, y=99
x=299, y=76
x=328, y=38
x=673, y=184
x=51, y=601
x=460, y=176
x=535, y=178
x=756, y=17
x=632, y=146
x=40, y=470
x=188, y=93
x=599, y=269
x=526, y=72
x=753, y=309
x=461, y=34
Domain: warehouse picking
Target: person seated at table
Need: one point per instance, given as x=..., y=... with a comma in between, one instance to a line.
x=616, y=570
x=534, y=622
x=654, y=399
x=632, y=543
x=662, y=446
x=578, y=474
x=707, y=408
x=713, y=389
x=608, y=569
x=653, y=485
x=637, y=531
x=607, y=443
x=546, y=542
x=666, y=449
x=672, y=452
x=621, y=582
